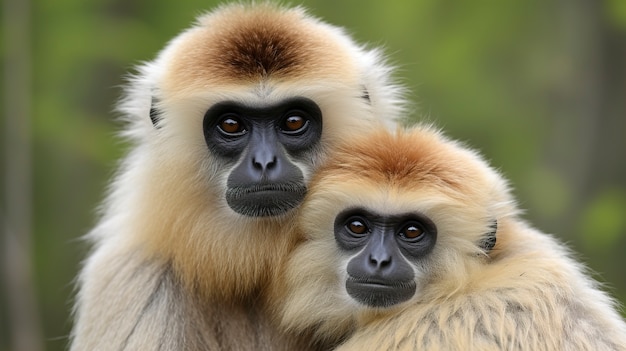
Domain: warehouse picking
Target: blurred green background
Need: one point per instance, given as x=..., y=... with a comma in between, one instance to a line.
x=539, y=86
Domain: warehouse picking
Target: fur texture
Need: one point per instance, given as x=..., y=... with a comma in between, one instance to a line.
x=527, y=293
x=173, y=267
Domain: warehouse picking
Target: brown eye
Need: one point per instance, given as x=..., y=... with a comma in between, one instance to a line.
x=294, y=123
x=231, y=125
x=357, y=227
x=412, y=231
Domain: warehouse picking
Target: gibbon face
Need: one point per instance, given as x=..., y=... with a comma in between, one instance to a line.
x=264, y=181
x=254, y=95
x=380, y=272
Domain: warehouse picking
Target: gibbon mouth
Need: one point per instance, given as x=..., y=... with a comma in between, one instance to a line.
x=265, y=200
x=379, y=293
x=379, y=283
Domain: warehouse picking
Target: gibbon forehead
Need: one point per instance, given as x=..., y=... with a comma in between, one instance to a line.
x=406, y=160
x=238, y=44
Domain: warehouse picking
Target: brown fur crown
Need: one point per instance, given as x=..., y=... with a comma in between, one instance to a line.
x=242, y=43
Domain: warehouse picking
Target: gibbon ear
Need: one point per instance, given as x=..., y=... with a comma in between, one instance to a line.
x=489, y=241
x=155, y=114
x=366, y=95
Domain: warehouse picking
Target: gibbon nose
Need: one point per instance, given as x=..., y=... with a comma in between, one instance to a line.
x=264, y=161
x=380, y=260
x=379, y=257
x=265, y=156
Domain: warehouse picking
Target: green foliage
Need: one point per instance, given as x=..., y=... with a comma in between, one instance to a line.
x=616, y=12
x=603, y=222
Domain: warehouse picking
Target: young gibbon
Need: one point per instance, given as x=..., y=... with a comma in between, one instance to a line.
x=413, y=242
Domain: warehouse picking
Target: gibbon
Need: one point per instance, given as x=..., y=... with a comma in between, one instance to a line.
x=412, y=242
x=227, y=126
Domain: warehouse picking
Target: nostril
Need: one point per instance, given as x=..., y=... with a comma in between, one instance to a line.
x=272, y=163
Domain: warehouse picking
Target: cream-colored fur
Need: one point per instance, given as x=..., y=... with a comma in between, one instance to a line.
x=527, y=293
x=173, y=267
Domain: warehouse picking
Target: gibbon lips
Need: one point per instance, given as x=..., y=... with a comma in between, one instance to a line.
x=265, y=200
x=378, y=293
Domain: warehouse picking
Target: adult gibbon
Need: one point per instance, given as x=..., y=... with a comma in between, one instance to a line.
x=414, y=243
x=228, y=124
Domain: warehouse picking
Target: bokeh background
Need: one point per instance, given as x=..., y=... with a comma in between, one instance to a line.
x=539, y=86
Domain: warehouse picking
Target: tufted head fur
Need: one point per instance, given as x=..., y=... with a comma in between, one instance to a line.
x=416, y=170
x=168, y=199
